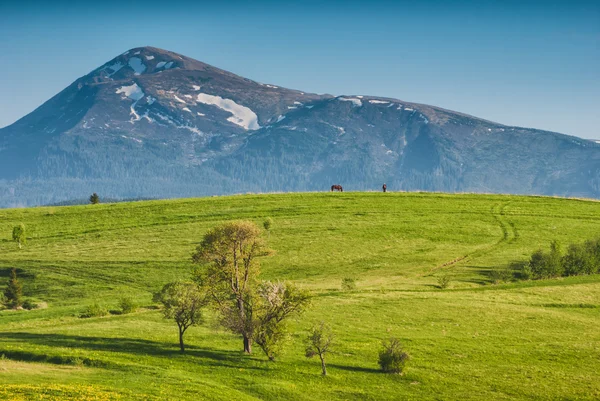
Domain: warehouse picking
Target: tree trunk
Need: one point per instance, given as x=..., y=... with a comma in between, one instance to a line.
x=323, y=365
x=20, y=246
x=247, y=345
x=181, y=346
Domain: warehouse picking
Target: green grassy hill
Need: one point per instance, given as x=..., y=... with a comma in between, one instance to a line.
x=475, y=340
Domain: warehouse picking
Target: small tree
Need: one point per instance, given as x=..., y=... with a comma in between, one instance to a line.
x=94, y=199
x=13, y=294
x=275, y=302
x=183, y=302
x=392, y=358
x=267, y=224
x=18, y=235
x=319, y=342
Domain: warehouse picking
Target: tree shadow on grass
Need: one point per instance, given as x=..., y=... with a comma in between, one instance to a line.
x=21, y=274
x=360, y=369
x=134, y=346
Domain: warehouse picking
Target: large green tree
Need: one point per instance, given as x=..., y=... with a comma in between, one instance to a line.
x=231, y=253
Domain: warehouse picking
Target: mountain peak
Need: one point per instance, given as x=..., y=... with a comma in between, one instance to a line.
x=154, y=123
x=139, y=61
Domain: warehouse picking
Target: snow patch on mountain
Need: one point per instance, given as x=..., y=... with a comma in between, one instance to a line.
x=188, y=127
x=132, y=138
x=149, y=57
x=280, y=119
x=375, y=101
x=134, y=93
x=164, y=64
x=186, y=109
x=137, y=65
x=180, y=100
x=356, y=102
x=150, y=100
x=196, y=87
x=241, y=115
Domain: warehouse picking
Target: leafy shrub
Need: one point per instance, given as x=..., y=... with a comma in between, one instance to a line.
x=268, y=223
x=526, y=272
x=74, y=360
x=127, y=305
x=579, y=259
x=501, y=275
x=348, y=284
x=444, y=281
x=94, y=310
x=547, y=265
x=29, y=304
x=392, y=357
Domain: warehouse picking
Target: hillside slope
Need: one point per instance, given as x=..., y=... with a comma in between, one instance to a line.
x=153, y=123
x=473, y=341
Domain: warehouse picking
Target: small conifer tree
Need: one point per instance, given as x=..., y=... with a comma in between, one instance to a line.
x=13, y=294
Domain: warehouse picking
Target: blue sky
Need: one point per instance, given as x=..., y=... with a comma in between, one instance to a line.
x=526, y=63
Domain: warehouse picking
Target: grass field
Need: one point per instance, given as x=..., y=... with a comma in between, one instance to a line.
x=472, y=341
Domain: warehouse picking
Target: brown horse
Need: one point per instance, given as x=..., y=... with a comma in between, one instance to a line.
x=337, y=188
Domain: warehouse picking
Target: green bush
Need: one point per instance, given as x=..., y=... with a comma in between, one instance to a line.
x=526, y=272
x=547, y=265
x=127, y=305
x=579, y=259
x=444, y=281
x=94, y=310
x=392, y=357
x=29, y=304
x=501, y=275
x=268, y=223
x=348, y=284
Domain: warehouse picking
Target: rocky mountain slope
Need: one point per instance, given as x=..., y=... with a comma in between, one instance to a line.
x=153, y=123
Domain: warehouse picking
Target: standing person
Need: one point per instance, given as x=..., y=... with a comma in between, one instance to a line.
x=384, y=188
